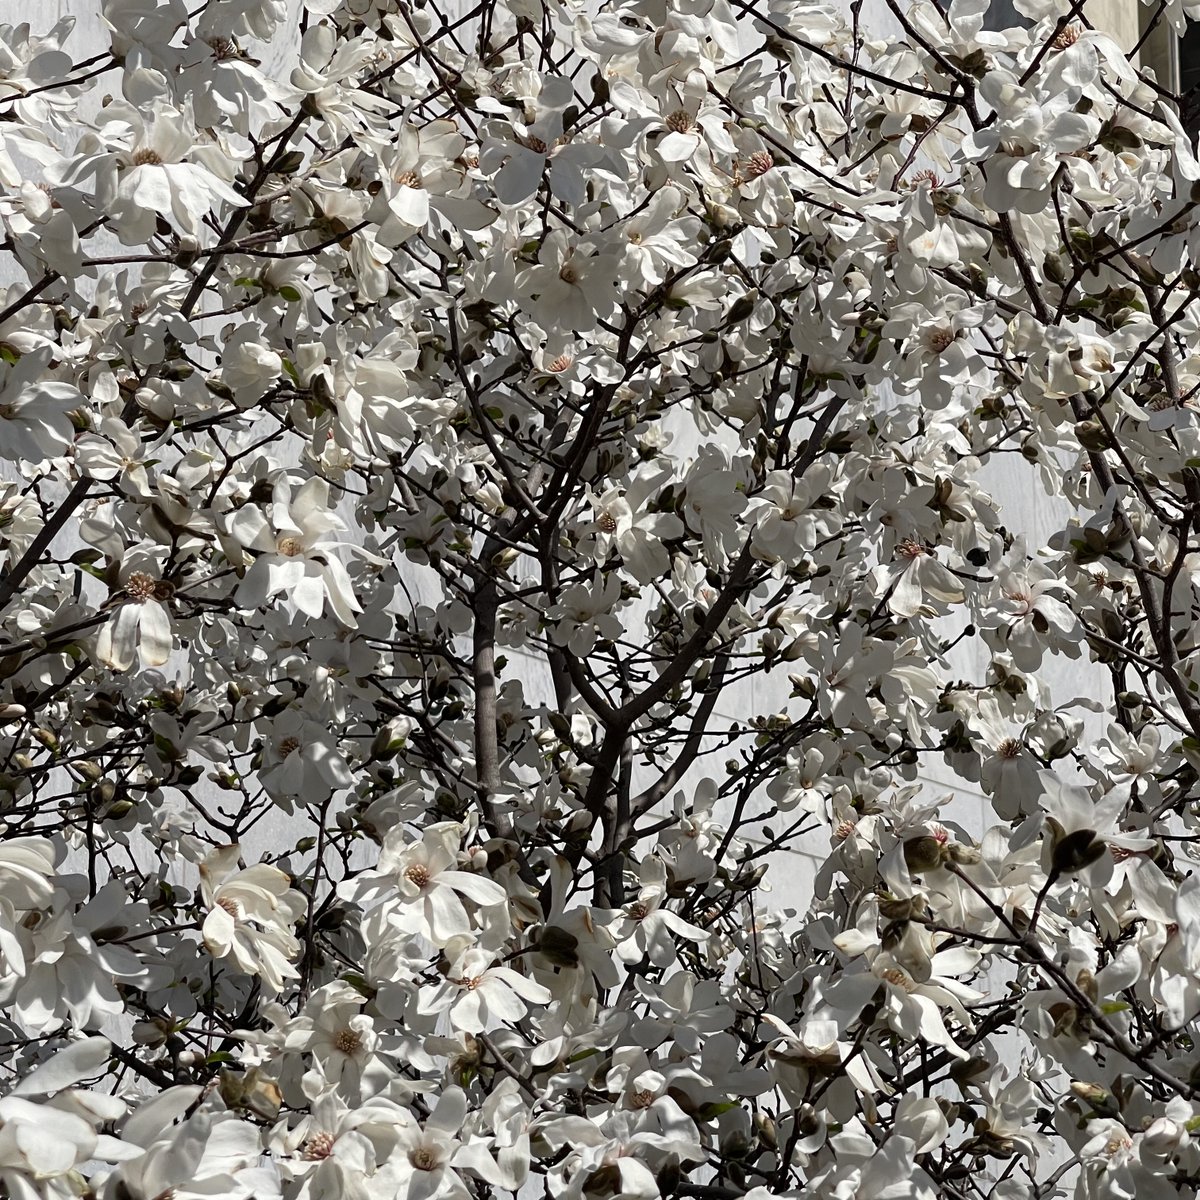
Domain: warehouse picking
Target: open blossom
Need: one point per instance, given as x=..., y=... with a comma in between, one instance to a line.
x=479, y=994
x=584, y=614
x=1133, y=759
x=74, y=961
x=422, y=1164
x=647, y=926
x=1026, y=143
x=786, y=522
x=426, y=176
x=26, y=871
x=910, y=1007
x=625, y=523
x=40, y=1143
x=429, y=883
x=251, y=913
x=292, y=554
x=249, y=366
x=914, y=577
x=574, y=284
x=35, y=421
x=342, y=1040
x=209, y=1153
x=140, y=624
x=1030, y=613
x=114, y=453
x=147, y=164
x=302, y=760
x=527, y=154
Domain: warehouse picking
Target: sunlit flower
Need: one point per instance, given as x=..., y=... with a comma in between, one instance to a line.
x=251, y=913
x=292, y=553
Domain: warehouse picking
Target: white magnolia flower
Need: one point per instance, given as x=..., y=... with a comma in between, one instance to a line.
x=292, y=552
x=575, y=284
x=785, y=521
x=914, y=578
x=302, y=759
x=421, y=1166
x=35, y=421
x=140, y=624
x=41, y=1145
x=428, y=883
x=249, y=366
x=646, y=926
x=341, y=1038
x=115, y=453
x=149, y=166
x=480, y=995
x=251, y=913
x=75, y=959
x=1033, y=614
x=584, y=614
x=624, y=524
x=26, y=873
x=209, y=1153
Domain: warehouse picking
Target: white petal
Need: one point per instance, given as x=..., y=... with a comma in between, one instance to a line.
x=155, y=631
x=474, y=887
x=116, y=646
x=676, y=147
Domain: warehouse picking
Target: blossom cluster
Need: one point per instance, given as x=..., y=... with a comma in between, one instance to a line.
x=418, y=426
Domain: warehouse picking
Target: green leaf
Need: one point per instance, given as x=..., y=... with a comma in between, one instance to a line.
x=710, y=1112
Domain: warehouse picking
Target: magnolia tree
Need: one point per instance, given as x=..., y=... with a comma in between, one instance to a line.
x=416, y=448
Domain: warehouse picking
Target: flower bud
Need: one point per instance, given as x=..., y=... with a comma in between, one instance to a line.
x=922, y=853
x=1093, y=1093
x=151, y=1033
x=1076, y=851
x=765, y=1128
x=1162, y=1138
x=963, y=856
x=1091, y=435
x=894, y=908
x=559, y=946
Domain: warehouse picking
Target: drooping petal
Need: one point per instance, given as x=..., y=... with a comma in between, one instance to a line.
x=154, y=630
